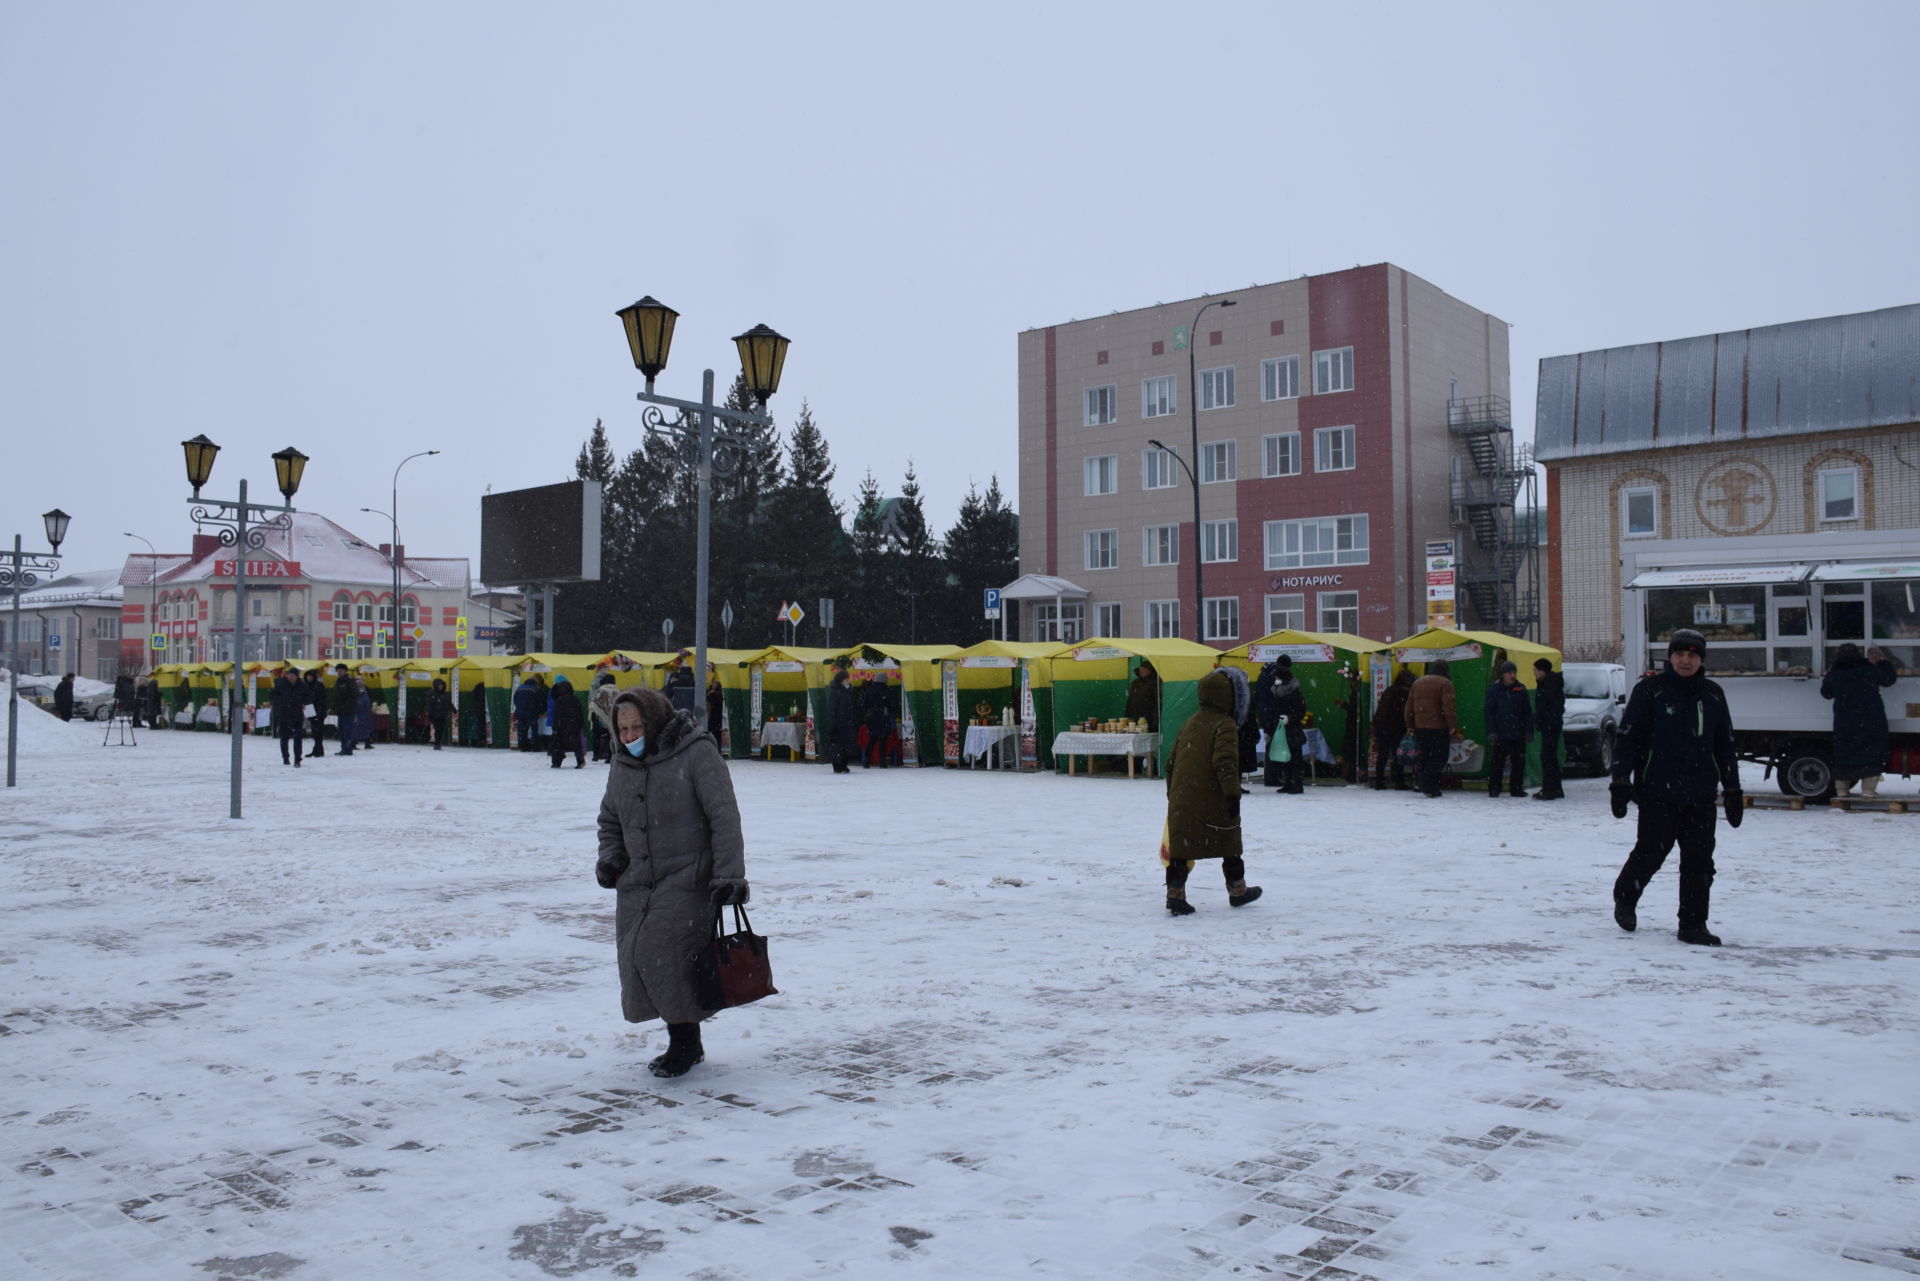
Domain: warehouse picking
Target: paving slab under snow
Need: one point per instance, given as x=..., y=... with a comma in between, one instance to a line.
x=372, y=1031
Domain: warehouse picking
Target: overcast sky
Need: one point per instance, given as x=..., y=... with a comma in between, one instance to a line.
x=372, y=229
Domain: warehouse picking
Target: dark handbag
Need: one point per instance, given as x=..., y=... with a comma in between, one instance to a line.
x=1408, y=751
x=734, y=969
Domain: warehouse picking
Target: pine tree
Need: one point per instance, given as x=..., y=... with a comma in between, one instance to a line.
x=811, y=551
x=584, y=614
x=918, y=571
x=876, y=612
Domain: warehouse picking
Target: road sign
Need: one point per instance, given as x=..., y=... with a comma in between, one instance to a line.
x=794, y=613
x=418, y=632
x=992, y=599
x=53, y=640
x=726, y=613
x=666, y=627
x=461, y=622
x=157, y=641
x=826, y=612
x=459, y=640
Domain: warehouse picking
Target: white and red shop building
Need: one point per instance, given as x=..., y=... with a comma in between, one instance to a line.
x=315, y=591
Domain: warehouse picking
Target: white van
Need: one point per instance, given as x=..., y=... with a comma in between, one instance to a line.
x=1596, y=696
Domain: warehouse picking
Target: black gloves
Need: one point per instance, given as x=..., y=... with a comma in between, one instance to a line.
x=730, y=894
x=1736, y=805
x=1621, y=794
x=607, y=872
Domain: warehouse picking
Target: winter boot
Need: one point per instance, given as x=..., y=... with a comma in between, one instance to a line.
x=1843, y=787
x=1698, y=934
x=683, y=1050
x=1239, y=894
x=1623, y=913
x=1869, y=787
x=1177, y=903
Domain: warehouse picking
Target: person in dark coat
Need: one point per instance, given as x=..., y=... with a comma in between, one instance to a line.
x=346, y=708
x=148, y=696
x=1282, y=709
x=1854, y=683
x=1143, y=696
x=439, y=713
x=63, y=699
x=600, y=715
x=1389, y=726
x=670, y=845
x=1549, y=715
x=288, y=714
x=877, y=712
x=529, y=704
x=568, y=725
x=680, y=685
x=716, y=704
x=1675, y=752
x=843, y=723
x=1509, y=720
x=1203, y=797
x=1435, y=723
x=362, y=714
x=314, y=691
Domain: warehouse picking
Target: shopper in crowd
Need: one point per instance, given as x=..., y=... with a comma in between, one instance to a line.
x=1508, y=715
x=289, y=707
x=1203, y=797
x=716, y=704
x=1435, y=722
x=315, y=690
x=1389, y=726
x=346, y=705
x=63, y=699
x=148, y=696
x=1854, y=683
x=439, y=713
x=877, y=712
x=529, y=705
x=843, y=723
x=568, y=724
x=680, y=685
x=670, y=844
x=1549, y=715
x=600, y=715
x=1675, y=752
x=1282, y=709
x=362, y=714
x=1143, y=696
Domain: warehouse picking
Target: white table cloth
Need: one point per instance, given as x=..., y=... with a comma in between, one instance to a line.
x=789, y=734
x=1081, y=743
x=983, y=739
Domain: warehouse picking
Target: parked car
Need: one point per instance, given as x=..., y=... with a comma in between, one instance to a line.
x=1596, y=695
x=92, y=700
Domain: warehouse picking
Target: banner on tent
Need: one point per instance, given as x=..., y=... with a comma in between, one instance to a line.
x=1097, y=653
x=785, y=666
x=1029, y=740
x=754, y=718
x=864, y=665
x=1298, y=653
x=950, y=713
x=1435, y=654
x=989, y=660
x=909, y=740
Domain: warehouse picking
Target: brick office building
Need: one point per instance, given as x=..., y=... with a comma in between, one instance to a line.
x=1343, y=420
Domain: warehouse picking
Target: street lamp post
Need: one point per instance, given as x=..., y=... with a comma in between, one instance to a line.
x=1193, y=480
x=696, y=424
x=18, y=572
x=393, y=632
x=245, y=527
x=1193, y=417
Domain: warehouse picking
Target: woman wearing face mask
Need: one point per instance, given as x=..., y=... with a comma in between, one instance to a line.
x=670, y=845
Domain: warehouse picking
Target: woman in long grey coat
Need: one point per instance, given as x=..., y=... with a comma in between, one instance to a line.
x=670, y=844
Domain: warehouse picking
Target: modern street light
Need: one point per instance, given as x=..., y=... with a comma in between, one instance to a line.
x=244, y=526
x=17, y=572
x=696, y=424
x=393, y=632
x=1193, y=480
x=1193, y=417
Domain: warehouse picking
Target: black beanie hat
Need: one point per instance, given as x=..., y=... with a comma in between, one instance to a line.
x=1686, y=638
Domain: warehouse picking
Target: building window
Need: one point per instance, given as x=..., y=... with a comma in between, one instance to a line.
x=1163, y=620
x=1280, y=454
x=1324, y=540
x=1839, y=493
x=1100, y=403
x=1103, y=475
x=1061, y=626
x=1156, y=469
x=343, y=611
x=108, y=629
x=1223, y=618
x=1340, y=612
x=386, y=612
x=1216, y=388
x=1160, y=545
x=257, y=605
x=1159, y=396
x=409, y=615
x=1280, y=378
x=1220, y=540
x=1103, y=548
x=363, y=611
x=1332, y=370
x=1106, y=619
x=1218, y=460
x=1287, y=612
x=1333, y=449
x=106, y=669
x=1639, y=511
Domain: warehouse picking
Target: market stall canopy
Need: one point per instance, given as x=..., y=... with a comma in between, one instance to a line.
x=643, y=658
x=1454, y=646
x=1304, y=647
x=1844, y=573
x=1042, y=587
x=1175, y=660
x=1719, y=576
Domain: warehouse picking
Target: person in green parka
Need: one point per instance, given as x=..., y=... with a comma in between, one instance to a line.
x=1203, y=797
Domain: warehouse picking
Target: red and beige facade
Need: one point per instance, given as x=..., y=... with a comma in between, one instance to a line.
x=1325, y=458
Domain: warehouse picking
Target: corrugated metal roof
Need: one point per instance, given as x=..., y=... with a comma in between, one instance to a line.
x=1837, y=373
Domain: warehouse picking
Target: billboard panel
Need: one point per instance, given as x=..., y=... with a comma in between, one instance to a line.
x=547, y=534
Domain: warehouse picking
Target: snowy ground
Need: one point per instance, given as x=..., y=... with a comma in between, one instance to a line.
x=371, y=1031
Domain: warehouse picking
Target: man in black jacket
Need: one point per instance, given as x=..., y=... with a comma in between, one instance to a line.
x=1509, y=720
x=346, y=708
x=313, y=692
x=1675, y=751
x=439, y=713
x=63, y=698
x=843, y=724
x=1549, y=715
x=289, y=716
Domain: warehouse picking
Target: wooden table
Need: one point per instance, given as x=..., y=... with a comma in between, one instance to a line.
x=1081, y=743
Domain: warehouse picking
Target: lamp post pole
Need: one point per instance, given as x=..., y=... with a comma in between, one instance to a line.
x=245, y=527
x=393, y=515
x=1193, y=417
x=18, y=572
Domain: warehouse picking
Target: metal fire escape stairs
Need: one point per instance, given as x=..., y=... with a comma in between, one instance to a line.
x=1498, y=562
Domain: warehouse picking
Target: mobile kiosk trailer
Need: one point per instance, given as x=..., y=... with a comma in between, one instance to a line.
x=1774, y=612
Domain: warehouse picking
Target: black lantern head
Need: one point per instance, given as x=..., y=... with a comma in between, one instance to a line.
x=200, y=454
x=649, y=325
x=56, y=522
x=288, y=466
x=763, y=354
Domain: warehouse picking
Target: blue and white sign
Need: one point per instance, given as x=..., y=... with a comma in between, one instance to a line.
x=993, y=602
x=53, y=640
